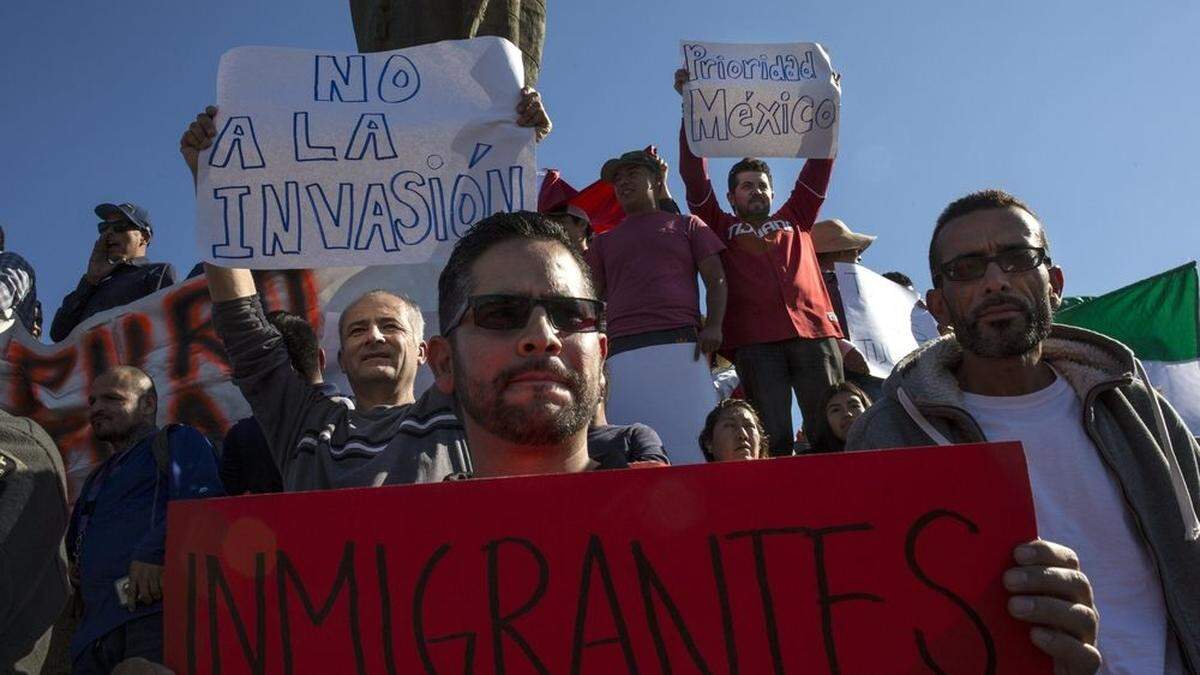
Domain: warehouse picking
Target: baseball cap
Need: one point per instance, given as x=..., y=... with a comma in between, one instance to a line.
x=127, y=211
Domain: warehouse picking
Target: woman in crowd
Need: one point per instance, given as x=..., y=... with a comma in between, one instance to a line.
x=841, y=404
x=732, y=431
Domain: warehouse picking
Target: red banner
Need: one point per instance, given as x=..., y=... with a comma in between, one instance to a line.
x=873, y=562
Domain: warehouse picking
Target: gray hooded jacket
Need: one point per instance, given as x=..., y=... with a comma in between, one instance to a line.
x=1140, y=438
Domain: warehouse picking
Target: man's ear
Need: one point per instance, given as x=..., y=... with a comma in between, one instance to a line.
x=422, y=352
x=936, y=303
x=1057, y=283
x=441, y=362
x=603, y=348
x=341, y=363
x=148, y=407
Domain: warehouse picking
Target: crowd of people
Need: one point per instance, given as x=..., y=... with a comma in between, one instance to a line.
x=532, y=307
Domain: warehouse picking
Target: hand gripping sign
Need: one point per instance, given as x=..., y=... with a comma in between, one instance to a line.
x=768, y=100
x=871, y=562
x=328, y=159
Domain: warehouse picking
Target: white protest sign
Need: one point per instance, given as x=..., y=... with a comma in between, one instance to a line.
x=331, y=159
x=767, y=100
x=886, y=321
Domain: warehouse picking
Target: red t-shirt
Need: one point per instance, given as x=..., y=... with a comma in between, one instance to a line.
x=647, y=266
x=775, y=287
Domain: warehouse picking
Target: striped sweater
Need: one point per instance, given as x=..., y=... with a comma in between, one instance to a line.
x=322, y=442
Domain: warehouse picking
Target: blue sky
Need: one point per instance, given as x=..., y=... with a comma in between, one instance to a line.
x=1086, y=110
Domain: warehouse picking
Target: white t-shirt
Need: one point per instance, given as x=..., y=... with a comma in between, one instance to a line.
x=1079, y=504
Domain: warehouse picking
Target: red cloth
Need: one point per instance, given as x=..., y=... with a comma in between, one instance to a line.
x=597, y=200
x=776, y=291
x=648, y=267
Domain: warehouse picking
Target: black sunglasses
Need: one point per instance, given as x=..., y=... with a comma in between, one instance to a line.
x=512, y=312
x=116, y=225
x=971, y=267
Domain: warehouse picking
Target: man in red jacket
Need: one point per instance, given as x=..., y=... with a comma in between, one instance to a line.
x=780, y=328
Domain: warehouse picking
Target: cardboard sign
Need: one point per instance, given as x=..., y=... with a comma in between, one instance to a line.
x=872, y=562
x=760, y=100
x=885, y=320
x=328, y=159
x=169, y=335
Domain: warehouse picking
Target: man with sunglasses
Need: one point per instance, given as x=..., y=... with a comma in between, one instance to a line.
x=1114, y=469
x=522, y=347
x=118, y=271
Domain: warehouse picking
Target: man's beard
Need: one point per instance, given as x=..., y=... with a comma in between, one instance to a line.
x=113, y=432
x=754, y=209
x=484, y=402
x=1009, y=338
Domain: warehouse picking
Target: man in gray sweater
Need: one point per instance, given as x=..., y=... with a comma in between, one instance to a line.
x=322, y=441
x=1113, y=468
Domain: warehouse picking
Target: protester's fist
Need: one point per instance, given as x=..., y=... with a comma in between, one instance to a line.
x=145, y=581
x=197, y=137
x=1051, y=592
x=531, y=113
x=681, y=77
x=708, y=341
x=99, y=266
x=660, y=187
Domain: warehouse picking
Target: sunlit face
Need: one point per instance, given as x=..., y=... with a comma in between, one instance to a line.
x=751, y=196
x=735, y=435
x=117, y=406
x=379, y=343
x=634, y=186
x=1000, y=314
x=122, y=239
x=842, y=409
x=535, y=385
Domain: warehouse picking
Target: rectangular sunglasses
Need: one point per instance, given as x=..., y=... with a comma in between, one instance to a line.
x=512, y=312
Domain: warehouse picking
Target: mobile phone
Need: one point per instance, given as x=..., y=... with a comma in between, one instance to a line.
x=125, y=592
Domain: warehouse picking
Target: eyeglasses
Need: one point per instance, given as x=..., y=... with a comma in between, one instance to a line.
x=970, y=267
x=512, y=312
x=116, y=226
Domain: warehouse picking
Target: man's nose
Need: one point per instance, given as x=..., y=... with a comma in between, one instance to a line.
x=539, y=335
x=995, y=279
x=374, y=334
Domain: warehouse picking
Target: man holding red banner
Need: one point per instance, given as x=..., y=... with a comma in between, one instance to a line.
x=1114, y=470
x=780, y=330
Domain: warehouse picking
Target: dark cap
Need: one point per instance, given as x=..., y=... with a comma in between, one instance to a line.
x=631, y=158
x=127, y=211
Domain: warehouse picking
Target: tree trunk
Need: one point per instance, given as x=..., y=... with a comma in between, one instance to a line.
x=382, y=25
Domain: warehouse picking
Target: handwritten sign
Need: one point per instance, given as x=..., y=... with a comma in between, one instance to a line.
x=328, y=159
x=865, y=562
x=886, y=321
x=767, y=100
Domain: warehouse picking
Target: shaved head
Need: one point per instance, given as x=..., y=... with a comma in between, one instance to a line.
x=122, y=402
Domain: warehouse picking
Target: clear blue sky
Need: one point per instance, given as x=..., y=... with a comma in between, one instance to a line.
x=1087, y=110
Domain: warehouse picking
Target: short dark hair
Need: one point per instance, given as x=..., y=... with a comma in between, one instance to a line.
x=976, y=201
x=822, y=439
x=455, y=282
x=898, y=278
x=748, y=164
x=1, y=237
x=300, y=341
x=710, y=424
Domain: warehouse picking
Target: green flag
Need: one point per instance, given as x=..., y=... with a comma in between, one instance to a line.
x=1159, y=319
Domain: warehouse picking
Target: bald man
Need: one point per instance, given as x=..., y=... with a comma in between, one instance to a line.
x=118, y=531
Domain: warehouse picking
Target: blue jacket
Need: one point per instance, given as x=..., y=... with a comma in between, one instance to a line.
x=129, y=281
x=121, y=516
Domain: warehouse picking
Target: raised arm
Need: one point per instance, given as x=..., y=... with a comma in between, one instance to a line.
x=262, y=369
x=808, y=195
x=701, y=199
